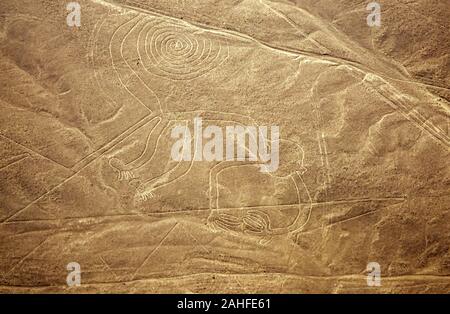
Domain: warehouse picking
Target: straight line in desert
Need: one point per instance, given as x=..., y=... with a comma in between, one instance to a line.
x=289, y=51
x=205, y=210
x=32, y=151
x=288, y=206
x=356, y=278
x=336, y=202
x=116, y=140
x=154, y=250
x=131, y=130
x=15, y=159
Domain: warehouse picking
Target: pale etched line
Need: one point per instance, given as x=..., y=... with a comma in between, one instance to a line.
x=26, y=256
x=294, y=25
x=235, y=34
x=164, y=126
x=137, y=75
x=217, y=180
x=293, y=52
x=129, y=79
x=326, y=158
x=65, y=93
x=18, y=212
x=184, y=23
x=195, y=239
x=194, y=62
x=96, y=34
x=423, y=84
x=124, y=59
x=213, y=199
x=320, y=148
x=152, y=183
x=165, y=59
x=215, y=183
x=334, y=202
x=427, y=122
x=73, y=175
x=96, y=218
x=293, y=227
x=240, y=284
x=177, y=59
x=109, y=268
x=249, y=163
x=15, y=160
x=94, y=37
x=370, y=81
x=404, y=111
x=415, y=115
x=126, y=169
x=161, y=58
x=397, y=103
x=112, y=39
x=20, y=16
x=289, y=265
x=153, y=251
x=106, y=147
x=422, y=16
x=372, y=149
x=208, y=58
x=322, y=144
x=235, y=122
x=338, y=16
x=241, y=36
x=341, y=221
x=203, y=275
x=32, y=151
x=138, y=45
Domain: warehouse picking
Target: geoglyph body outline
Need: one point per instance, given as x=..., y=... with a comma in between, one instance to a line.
x=322, y=135
x=142, y=193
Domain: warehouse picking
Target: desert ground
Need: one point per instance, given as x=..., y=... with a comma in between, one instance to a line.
x=87, y=116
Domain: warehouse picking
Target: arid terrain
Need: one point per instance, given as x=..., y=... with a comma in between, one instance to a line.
x=88, y=111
